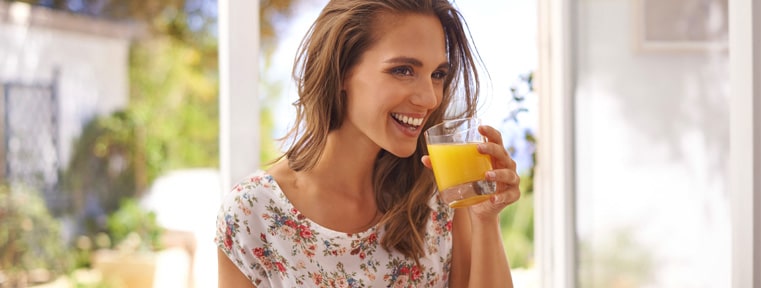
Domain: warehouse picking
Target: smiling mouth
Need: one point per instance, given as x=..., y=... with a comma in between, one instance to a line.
x=409, y=122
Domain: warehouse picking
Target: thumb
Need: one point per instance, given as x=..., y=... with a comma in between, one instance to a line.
x=426, y=161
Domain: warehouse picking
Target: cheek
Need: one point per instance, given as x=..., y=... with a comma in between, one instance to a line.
x=439, y=100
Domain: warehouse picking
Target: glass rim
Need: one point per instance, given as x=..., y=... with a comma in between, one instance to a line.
x=458, y=121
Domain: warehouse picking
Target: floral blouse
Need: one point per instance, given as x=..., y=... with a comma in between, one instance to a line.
x=275, y=246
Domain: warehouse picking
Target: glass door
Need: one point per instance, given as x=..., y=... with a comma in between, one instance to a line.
x=651, y=123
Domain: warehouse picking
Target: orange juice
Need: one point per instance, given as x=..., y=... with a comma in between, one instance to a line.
x=457, y=163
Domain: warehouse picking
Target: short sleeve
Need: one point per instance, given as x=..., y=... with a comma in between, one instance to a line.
x=236, y=225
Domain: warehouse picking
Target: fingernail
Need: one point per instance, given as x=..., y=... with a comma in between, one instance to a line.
x=491, y=175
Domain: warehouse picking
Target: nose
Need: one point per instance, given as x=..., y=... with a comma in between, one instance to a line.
x=426, y=96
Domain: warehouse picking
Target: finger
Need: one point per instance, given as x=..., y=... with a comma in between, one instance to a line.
x=505, y=176
x=493, y=135
x=500, y=157
x=426, y=161
x=507, y=197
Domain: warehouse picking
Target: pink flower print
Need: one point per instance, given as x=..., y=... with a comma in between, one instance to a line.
x=402, y=281
x=228, y=236
x=280, y=267
x=373, y=238
x=415, y=273
x=263, y=237
x=228, y=241
x=291, y=231
x=267, y=264
x=317, y=278
x=449, y=226
x=258, y=252
x=305, y=232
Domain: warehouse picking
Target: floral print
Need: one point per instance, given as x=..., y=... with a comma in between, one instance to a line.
x=274, y=245
x=404, y=273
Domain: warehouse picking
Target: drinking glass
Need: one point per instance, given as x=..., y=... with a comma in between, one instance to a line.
x=459, y=169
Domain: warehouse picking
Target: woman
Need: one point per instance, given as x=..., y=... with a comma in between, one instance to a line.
x=352, y=203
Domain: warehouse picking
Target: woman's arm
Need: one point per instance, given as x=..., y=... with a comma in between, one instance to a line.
x=229, y=274
x=489, y=266
x=461, y=249
x=478, y=257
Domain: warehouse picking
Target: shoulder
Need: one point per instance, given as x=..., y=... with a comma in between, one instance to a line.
x=240, y=225
x=246, y=199
x=251, y=190
x=243, y=205
x=257, y=180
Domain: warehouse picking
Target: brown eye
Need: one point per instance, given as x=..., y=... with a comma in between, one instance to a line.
x=402, y=71
x=439, y=75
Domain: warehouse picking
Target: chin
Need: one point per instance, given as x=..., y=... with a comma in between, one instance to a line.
x=402, y=152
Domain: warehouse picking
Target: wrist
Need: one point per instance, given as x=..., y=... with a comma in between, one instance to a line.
x=484, y=222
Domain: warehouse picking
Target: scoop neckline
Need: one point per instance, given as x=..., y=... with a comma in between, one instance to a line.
x=281, y=195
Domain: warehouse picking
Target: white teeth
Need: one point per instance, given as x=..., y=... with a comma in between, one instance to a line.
x=407, y=120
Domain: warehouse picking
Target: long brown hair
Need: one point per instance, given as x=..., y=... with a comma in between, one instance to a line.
x=334, y=43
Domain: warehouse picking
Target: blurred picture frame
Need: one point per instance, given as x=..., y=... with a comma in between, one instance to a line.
x=680, y=25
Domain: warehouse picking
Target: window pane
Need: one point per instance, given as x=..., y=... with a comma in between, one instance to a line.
x=651, y=143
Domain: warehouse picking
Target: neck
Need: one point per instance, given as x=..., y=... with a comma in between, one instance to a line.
x=347, y=164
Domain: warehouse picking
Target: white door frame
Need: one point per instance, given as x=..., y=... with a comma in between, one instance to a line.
x=745, y=141
x=555, y=232
x=238, y=90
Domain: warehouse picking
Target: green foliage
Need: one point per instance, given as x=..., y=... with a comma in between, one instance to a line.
x=174, y=102
x=103, y=164
x=134, y=228
x=517, y=220
x=30, y=238
x=517, y=225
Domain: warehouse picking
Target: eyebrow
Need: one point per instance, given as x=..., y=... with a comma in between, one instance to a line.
x=413, y=62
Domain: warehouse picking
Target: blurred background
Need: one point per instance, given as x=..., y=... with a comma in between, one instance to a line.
x=110, y=124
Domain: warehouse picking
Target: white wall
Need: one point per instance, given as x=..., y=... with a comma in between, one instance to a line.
x=93, y=68
x=652, y=145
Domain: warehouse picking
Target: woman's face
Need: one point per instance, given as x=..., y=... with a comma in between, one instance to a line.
x=398, y=82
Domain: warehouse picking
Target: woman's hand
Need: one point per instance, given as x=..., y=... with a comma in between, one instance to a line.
x=503, y=173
